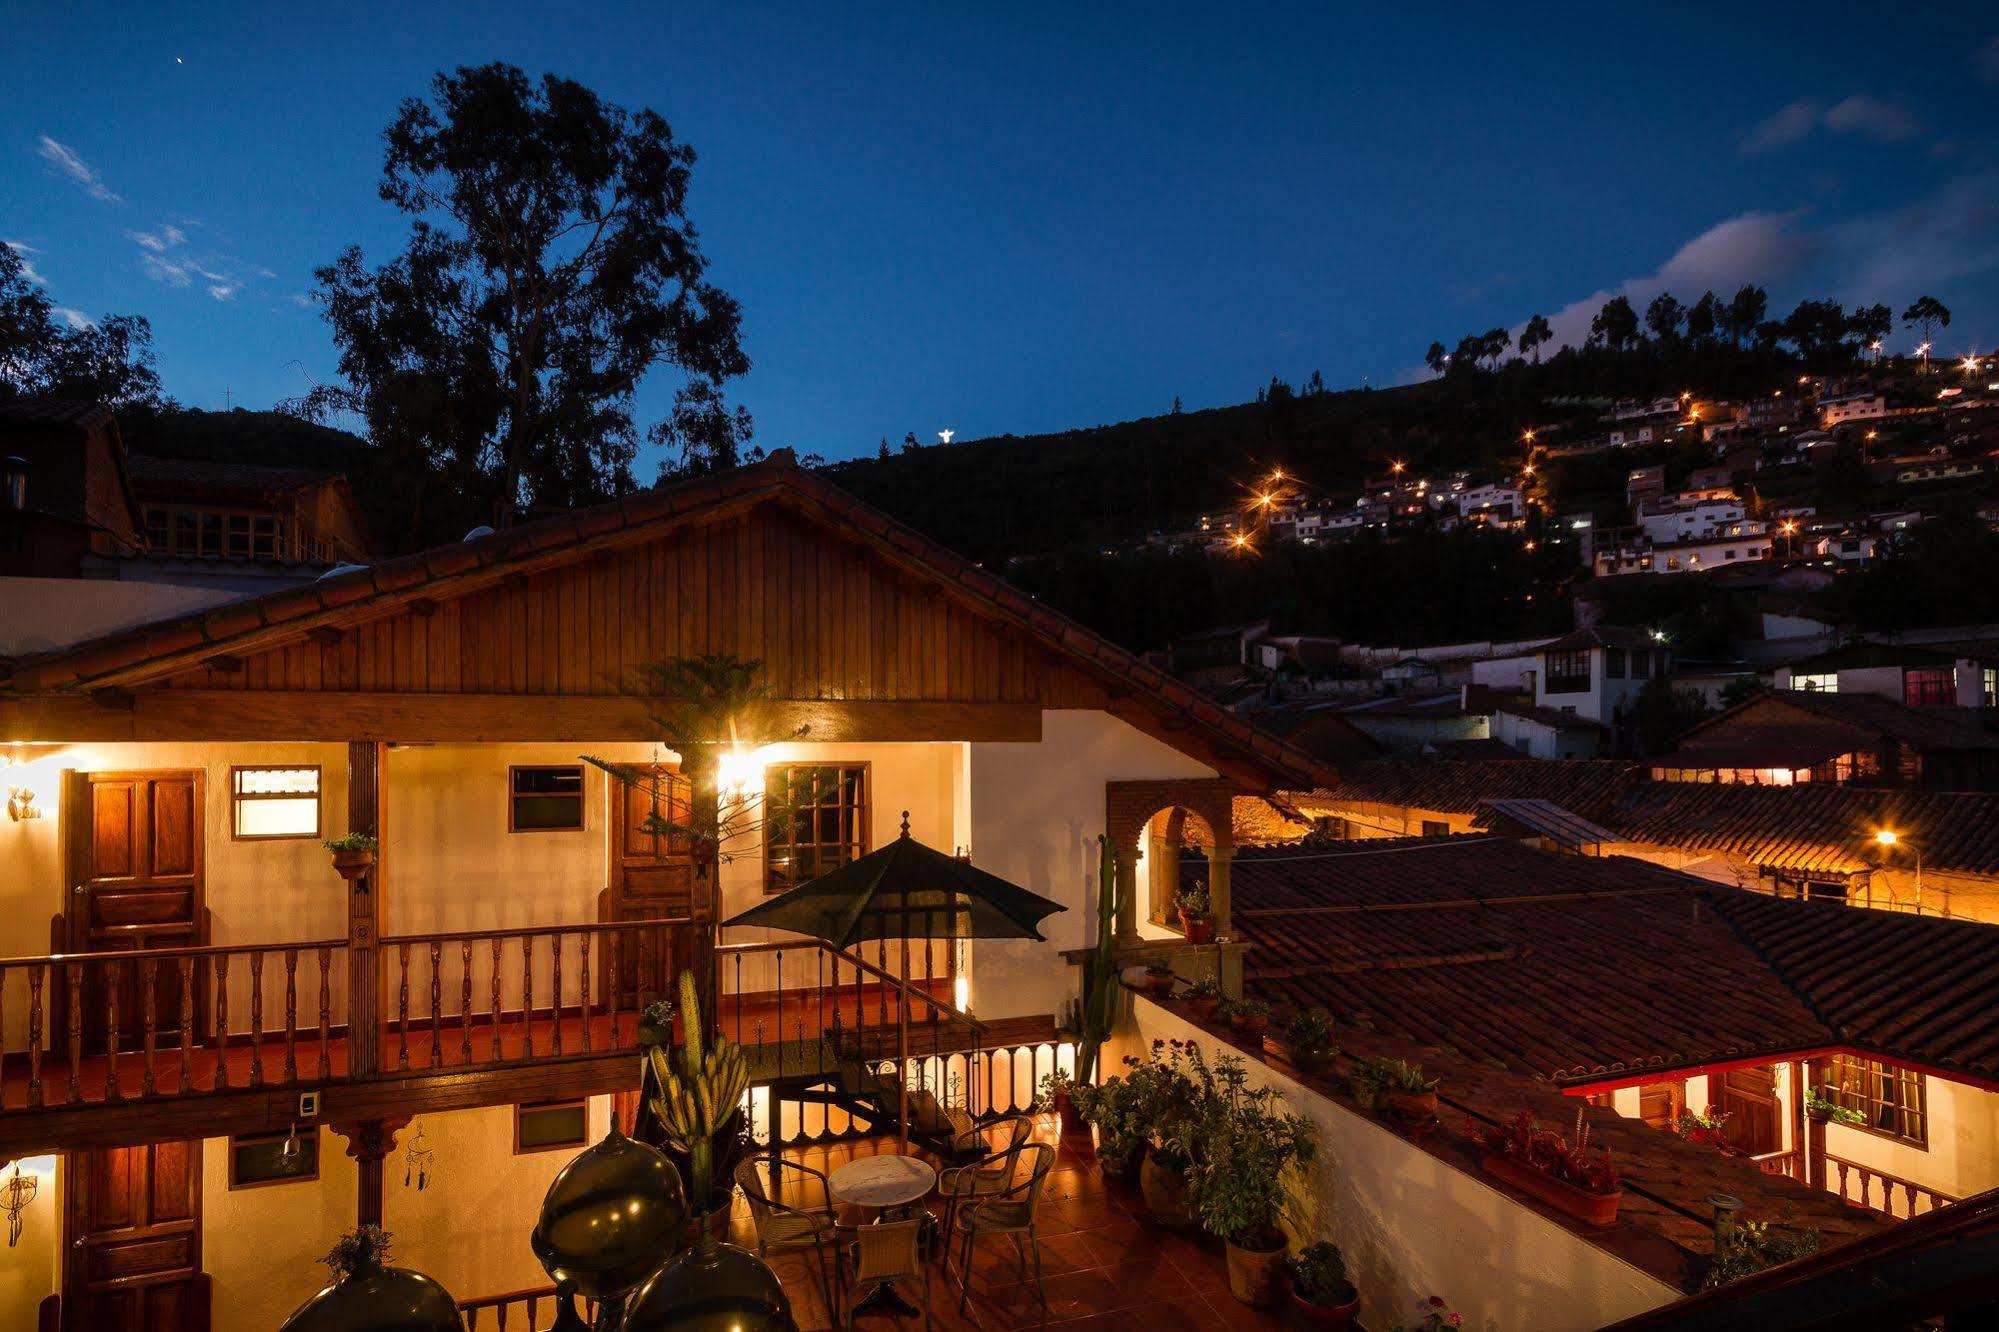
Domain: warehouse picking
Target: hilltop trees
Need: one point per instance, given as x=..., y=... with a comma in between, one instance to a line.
x=1536, y=335
x=1927, y=313
x=550, y=267
x=1744, y=314
x=43, y=351
x=1615, y=325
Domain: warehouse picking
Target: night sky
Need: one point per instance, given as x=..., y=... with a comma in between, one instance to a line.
x=1020, y=218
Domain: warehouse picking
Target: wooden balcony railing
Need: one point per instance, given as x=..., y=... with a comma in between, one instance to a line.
x=116, y=1027
x=518, y=1311
x=1898, y=1197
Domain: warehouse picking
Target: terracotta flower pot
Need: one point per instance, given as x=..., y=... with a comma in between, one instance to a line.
x=1198, y=929
x=1365, y=1095
x=351, y=865
x=1159, y=986
x=1413, y=1107
x=1249, y=1024
x=1203, y=1006
x=716, y=1222
x=1257, y=1276
x=1338, y=1316
x=1073, y=1123
x=1317, y=1063
x=1123, y=1174
x=1165, y=1191
x=1592, y=1209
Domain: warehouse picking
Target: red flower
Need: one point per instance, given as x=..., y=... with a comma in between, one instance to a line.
x=1436, y=1301
x=1457, y=1320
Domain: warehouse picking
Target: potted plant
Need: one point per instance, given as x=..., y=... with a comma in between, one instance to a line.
x=1246, y=1144
x=695, y=1096
x=1159, y=977
x=1320, y=1286
x=1432, y=1315
x=1706, y=1128
x=1367, y=1083
x=1247, y=1017
x=1058, y=1090
x=353, y=854
x=1309, y=1036
x=1412, y=1097
x=1176, y=1087
x=1748, y=1247
x=1821, y=1108
x=1128, y=1110
x=1560, y=1170
x=1203, y=996
x=1197, y=920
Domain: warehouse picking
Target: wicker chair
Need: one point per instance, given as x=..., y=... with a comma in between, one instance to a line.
x=987, y=1175
x=1008, y=1212
x=881, y=1254
x=782, y=1228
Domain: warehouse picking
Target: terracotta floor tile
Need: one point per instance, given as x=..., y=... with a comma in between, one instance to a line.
x=1239, y=1317
x=1191, y=1315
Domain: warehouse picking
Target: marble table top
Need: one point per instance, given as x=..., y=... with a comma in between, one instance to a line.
x=882, y=1181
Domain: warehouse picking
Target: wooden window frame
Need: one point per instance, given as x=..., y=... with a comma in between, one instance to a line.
x=318, y=801
x=582, y=796
x=1920, y=682
x=863, y=814
x=1826, y=1072
x=1569, y=672
x=565, y=1103
x=306, y=1133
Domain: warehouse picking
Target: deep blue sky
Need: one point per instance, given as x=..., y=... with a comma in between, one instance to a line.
x=1022, y=218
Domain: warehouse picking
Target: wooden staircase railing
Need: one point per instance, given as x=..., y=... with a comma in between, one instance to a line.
x=531, y=1310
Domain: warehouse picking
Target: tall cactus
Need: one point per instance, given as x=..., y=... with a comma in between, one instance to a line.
x=695, y=1100
x=1099, y=1007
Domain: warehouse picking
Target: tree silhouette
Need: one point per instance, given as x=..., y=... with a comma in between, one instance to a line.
x=1616, y=325
x=1703, y=317
x=550, y=266
x=1436, y=358
x=1927, y=313
x=109, y=360
x=1745, y=314
x=1536, y=335
x=1664, y=316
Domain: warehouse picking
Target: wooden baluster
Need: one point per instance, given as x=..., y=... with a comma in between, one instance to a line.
x=325, y=1013
x=613, y=945
x=74, y=976
x=436, y=1004
x=114, y=976
x=3, y=1026
x=496, y=998
x=555, y=981
x=257, y=1018
x=291, y=1015
x=35, y=981
x=221, y=1021
x=585, y=978
x=527, y=996
x=403, y=1007
x=465, y=1000
x=149, y=1002
x=186, y=1083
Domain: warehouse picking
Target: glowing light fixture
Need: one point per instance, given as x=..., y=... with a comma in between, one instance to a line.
x=1887, y=836
x=738, y=774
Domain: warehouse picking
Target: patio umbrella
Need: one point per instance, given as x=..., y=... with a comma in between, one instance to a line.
x=904, y=889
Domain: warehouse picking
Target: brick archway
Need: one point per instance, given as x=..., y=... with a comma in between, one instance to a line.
x=1131, y=805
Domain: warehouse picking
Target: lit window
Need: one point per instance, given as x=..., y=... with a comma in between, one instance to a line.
x=1826, y=682
x=1890, y=1099
x=551, y=1124
x=545, y=799
x=1929, y=687
x=818, y=821
x=269, y=803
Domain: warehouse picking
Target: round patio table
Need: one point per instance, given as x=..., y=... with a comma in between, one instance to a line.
x=886, y=1184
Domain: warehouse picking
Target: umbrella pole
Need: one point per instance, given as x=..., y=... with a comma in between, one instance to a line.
x=902, y=1042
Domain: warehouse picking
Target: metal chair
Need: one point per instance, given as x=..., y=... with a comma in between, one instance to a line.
x=1008, y=1212
x=882, y=1254
x=783, y=1228
x=987, y=1175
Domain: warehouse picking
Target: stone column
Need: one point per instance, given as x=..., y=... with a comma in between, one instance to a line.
x=1219, y=858
x=1124, y=861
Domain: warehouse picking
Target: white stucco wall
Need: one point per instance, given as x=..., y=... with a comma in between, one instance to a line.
x=1412, y=1226
x=1037, y=810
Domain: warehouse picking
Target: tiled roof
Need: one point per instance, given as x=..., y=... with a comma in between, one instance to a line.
x=1554, y=965
x=1543, y=818
x=78, y=415
x=1582, y=786
x=1552, y=717
x=146, y=469
x=1919, y=728
x=291, y=612
x=1582, y=969
x=1815, y=826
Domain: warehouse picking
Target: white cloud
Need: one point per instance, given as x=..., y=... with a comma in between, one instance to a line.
x=301, y=300
x=64, y=159
x=166, y=270
x=28, y=269
x=1872, y=117
x=76, y=318
x=159, y=242
x=223, y=291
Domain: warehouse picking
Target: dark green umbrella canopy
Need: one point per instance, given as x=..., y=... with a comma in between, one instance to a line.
x=904, y=890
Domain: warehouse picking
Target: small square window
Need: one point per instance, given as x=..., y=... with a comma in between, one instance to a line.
x=271, y=803
x=550, y=1125
x=545, y=799
x=273, y=1158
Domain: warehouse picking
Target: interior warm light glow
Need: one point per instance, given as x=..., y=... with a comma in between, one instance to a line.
x=961, y=993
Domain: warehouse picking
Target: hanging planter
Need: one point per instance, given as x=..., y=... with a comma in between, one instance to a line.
x=353, y=854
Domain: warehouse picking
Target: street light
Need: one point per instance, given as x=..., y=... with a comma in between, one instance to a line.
x=1889, y=839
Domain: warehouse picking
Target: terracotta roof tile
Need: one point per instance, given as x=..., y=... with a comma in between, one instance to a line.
x=1456, y=786
x=1814, y=826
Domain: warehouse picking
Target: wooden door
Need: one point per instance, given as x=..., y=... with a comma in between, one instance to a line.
x=1660, y=1104
x=1749, y=1096
x=135, y=874
x=132, y=1227
x=652, y=875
